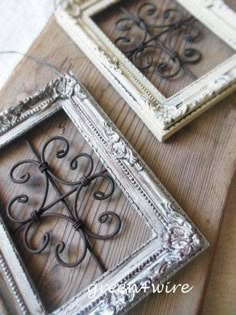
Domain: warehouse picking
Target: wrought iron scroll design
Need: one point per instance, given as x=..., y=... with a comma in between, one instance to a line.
x=45, y=209
x=153, y=45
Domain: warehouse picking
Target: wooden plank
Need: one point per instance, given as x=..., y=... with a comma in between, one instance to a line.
x=196, y=165
x=221, y=288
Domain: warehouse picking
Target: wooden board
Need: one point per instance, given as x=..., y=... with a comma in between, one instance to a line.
x=221, y=288
x=196, y=165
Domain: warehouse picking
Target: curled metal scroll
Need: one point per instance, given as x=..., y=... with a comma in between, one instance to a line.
x=143, y=39
x=73, y=217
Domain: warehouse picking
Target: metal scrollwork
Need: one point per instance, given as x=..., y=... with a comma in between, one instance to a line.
x=154, y=46
x=73, y=217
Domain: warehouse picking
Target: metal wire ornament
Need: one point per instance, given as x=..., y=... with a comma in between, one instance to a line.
x=144, y=41
x=73, y=216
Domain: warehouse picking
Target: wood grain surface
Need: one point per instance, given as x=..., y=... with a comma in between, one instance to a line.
x=196, y=165
x=221, y=288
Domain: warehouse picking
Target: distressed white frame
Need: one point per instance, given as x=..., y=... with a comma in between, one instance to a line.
x=175, y=240
x=163, y=116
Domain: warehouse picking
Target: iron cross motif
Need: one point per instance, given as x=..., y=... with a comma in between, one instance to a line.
x=72, y=216
x=154, y=45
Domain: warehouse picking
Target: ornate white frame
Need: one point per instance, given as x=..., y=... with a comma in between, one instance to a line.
x=163, y=116
x=175, y=240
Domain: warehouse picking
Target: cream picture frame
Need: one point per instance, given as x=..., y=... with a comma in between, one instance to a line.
x=163, y=116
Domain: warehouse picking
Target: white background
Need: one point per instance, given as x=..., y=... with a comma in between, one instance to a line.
x=21, y=21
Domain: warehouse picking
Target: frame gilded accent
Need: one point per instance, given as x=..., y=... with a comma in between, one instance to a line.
x=163, y=116
x=175, y=240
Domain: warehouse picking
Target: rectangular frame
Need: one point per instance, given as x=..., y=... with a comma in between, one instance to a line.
x=163, y=116
x=157, y=260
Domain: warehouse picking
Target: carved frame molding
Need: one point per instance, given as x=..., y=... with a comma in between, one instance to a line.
x=163, y=116
x=175, y=240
